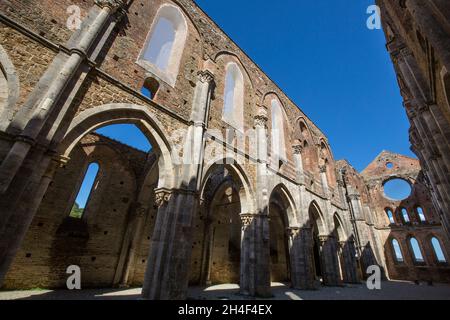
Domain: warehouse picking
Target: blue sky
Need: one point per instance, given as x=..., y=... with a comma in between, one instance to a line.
x=323, y=56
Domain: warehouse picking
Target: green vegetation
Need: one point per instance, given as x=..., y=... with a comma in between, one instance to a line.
x=76, y=212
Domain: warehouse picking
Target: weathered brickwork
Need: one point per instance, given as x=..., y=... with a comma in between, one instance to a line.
x=388, y=166
x=418, y=40
x=200, y=208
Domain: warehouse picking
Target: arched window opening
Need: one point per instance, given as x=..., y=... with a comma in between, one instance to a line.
x=421, y=215
x=160, y=46
x=390, y=215
x=233, y=109
x=438, y=252
x=417, y=253
x=278, y=137
x=405, y=216
x=85, y=191
x=150, y=87
x=398, y=255
x=162, y=54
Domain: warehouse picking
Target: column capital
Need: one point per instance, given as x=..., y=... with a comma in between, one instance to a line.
x=293, y=231
x=162, y=196
x=261, y=120
x=297, y=148
x=205, y=76
x=114, y=5
x=247, y=219
x=323, y=169
x=354, y=196
x=325, y=238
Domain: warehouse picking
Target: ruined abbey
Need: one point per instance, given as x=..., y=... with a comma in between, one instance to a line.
x=240, y=186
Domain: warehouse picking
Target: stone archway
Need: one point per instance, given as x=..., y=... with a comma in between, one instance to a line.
x=225, y=199
x=100, y=116
x=132, y=205
x=281, y=219
x=318, y=230
x=346, y=252
x=324, y=249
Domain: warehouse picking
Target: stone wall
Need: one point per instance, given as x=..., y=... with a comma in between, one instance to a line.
x=55, y=240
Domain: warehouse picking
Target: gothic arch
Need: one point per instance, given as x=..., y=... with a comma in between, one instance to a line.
x=339, y=227
x=245, y=193
x=227, y=55
x=280, y=143
x=309, y=154
x=317, y=219
x=288, y=204
x=166, y=68
x=94, y=118
x=234, y=96
x=326, y=160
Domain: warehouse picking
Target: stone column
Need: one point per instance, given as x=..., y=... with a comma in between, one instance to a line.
x=298, y=149
x=324, y=179
x=422, y=13
x=302, y=270
x=349, y=263
x=419, y=88
x=255, y=249
x=255, y=255
x=330, y=264
x=168, y=266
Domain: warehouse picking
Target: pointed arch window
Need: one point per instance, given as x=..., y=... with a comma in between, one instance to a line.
x=438, y=252
x=164, y=48
x=85, y=191
x=233, y=109
x=421, y=214
x=405, y=215
x=398, y=255
x=390, y=215
x=416, y=252
x=278, y=136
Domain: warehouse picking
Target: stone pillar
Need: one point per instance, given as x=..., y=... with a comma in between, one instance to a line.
x=302, y=270
x=324, y=179
x=422, y=13
x=330, y=264
x=418, y=87
x=298, y=149
x=167, y=273
x=255, y=249
x=349, y=263
x=255, y=255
